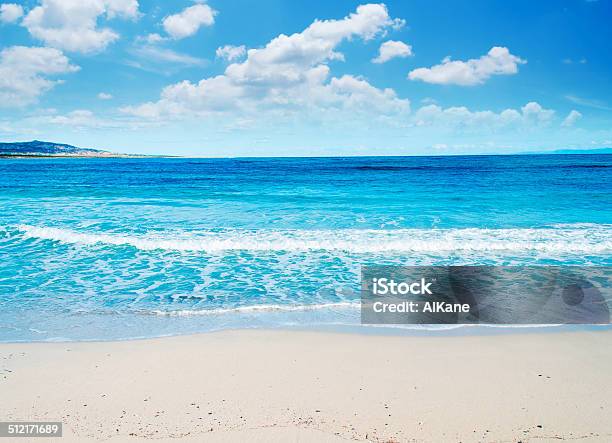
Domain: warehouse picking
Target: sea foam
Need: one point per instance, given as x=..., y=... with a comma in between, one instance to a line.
x=567, y=239
x=256, y=309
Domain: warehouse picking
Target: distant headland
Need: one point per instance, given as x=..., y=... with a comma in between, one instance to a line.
x=41, y=149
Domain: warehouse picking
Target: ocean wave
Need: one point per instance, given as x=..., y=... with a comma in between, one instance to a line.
x=253, y=309
x=568, y=239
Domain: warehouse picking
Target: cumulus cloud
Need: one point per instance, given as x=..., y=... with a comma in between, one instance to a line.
x=498, y=61
x=231, y=53
x=72, y=25
x=10, y=12
x=357, y=95
x=24, y=73
x=532, y=114
x=571, y=118
x=189, y=20
x=290, y=73
x=392, y=49
x=104, y=96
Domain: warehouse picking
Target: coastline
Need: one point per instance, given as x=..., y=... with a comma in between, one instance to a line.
x=279, y=385
x=113, y=156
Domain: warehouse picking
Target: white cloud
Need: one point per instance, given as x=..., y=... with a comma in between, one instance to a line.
x=398, y=23
x=121, y=8
x=72, y=24
x=231, y=53
x=498, y=61
x=189, y=20
x=77, y=120
x=289, y=74
x=590, y=103
x=392, y=49
x=460, y=117
x=571, y=118
x=149, y=55
x=151, y=38
x=104, y=96
x=533, y=112
x=357, y=95
x=24, y=71
x=80, y=117
x=10, y=12
x=154, y=54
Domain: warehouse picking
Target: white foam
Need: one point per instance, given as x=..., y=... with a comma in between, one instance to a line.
x=255, y=309
x=581, y=239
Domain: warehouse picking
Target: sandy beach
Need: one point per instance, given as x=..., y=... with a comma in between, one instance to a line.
x=315, y=386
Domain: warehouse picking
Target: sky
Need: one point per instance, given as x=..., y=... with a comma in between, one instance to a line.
x=307, y=78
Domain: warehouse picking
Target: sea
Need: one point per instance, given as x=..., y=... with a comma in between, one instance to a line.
x=110, y=249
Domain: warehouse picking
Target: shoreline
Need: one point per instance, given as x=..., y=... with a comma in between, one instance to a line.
x=279, y=385
x=450, y=330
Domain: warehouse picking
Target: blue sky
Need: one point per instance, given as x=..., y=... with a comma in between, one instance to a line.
x=285, y=78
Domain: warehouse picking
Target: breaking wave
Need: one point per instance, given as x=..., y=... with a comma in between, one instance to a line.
x=564, y=239
x=255, y=309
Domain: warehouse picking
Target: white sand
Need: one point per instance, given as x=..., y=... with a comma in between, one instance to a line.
x=308, y=386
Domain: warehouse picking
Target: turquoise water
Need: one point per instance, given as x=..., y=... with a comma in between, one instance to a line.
x=123, y=248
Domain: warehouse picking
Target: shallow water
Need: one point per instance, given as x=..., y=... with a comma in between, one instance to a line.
x=120, y=248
